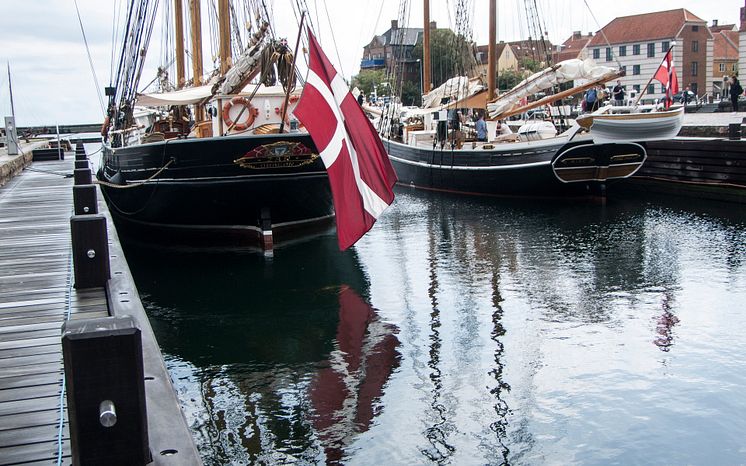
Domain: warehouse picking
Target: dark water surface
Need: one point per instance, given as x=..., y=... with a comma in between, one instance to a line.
x=467, y=331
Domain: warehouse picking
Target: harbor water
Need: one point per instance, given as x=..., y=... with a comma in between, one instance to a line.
x=466, y=331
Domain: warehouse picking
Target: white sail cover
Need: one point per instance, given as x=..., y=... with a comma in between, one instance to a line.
x=456, y=88
x=197, y=94
x=568, y=70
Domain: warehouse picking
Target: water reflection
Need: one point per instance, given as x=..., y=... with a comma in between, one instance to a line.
x=468, y=331
x=275, y=360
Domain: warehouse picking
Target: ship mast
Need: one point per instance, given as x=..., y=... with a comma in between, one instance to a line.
x=426, y=79
x=224, y=22
x=179, y=20
x=491, y=59
x=196, y=18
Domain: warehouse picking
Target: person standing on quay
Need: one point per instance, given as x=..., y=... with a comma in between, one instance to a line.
x=618, y=92
x=735, y=92
x=481, y=127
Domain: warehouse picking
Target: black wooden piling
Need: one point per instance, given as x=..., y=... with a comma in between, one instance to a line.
x=85, y=199
x=90, y=250
x=82, y=164
x=105, y=391
x=82, y=176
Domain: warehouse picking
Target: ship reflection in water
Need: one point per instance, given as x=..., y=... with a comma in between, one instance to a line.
x=467, y=331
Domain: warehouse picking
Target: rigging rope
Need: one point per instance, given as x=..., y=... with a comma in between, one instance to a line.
x=90, y=61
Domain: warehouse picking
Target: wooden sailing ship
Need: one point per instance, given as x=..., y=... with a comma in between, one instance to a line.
x=570, y=163
x=212, y=160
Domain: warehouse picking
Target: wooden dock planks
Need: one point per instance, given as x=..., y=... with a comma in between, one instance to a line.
x=35, y=294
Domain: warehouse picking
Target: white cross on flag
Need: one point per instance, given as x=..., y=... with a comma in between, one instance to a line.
x=360, y=173
x=666, y=74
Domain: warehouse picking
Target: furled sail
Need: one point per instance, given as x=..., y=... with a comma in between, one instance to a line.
x=456, y=88
x=245, y=67
x=562, y=72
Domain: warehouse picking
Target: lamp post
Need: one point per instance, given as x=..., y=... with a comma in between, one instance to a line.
x=421, y=77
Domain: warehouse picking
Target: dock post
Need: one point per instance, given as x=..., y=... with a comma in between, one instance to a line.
x=82, y=164
x=105, y=387
x=734, y=131
x=90, y=250
x=85, y=199
x=80, y=152
x=82, y=176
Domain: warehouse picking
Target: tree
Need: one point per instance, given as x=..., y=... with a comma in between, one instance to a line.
x=450, y=55
x=367, y=80
x=410, y=93
x=508, y=79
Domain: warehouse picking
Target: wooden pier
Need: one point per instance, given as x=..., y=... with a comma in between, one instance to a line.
x=37, y=295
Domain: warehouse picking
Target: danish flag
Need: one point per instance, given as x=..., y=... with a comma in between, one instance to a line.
x=666, y=74
x=360, y=173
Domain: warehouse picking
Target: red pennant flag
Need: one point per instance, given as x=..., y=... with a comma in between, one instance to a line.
x=360, y=173
x=666, y=74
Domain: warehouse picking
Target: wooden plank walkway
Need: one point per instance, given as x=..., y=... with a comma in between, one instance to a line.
x=36, y=297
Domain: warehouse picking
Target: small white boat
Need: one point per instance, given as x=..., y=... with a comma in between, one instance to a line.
x=632, y=126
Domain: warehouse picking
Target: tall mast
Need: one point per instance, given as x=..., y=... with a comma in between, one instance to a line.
x=179, y=17
x=491, y=59
x=224, y=22
x=10, y=89
x=196, y=17
x=426, y=79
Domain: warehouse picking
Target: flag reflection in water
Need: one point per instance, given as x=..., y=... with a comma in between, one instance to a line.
x=344, y=394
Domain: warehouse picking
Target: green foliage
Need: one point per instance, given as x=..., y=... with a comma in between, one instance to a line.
x=450, y=55
x=367, y=80
x=531, y=65
x=410, y=93
x=508, y=79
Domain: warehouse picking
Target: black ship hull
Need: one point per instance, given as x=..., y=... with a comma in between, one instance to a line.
x=240, y=187
x=546, y=168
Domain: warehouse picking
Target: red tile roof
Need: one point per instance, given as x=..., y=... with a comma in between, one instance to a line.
x=645, y=27
x=498, y=51
x=722, y=27
x=572, y=47
x=726, y=45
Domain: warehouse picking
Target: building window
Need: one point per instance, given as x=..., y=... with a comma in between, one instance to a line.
x=636, y=87
x=635, y=69
x=663, y=88
x=734, y=67
x=695, y=68
x=664, y=46
x=695, y=28
x=608, y=53
x=624, y=70
x=596, y=54
x=722, y=67
x=651, y=50
x=636, y=49
x=695, y=46
x=651, y=88
x=622, y=50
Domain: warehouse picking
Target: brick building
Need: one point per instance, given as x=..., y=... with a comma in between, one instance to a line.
x=396, y=44
x=725, y=55
x=638, y=44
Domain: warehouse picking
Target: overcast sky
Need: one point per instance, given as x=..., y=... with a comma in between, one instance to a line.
x=53, y=82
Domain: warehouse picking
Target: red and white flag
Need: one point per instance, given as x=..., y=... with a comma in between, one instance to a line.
x=360, y=173
x=666, y=74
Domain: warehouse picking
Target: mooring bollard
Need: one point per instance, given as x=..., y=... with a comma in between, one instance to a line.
x=82, y=164
x=85, y=199
x=734, y=131
x=82, y=176
x=105, y=391
x=90, y=250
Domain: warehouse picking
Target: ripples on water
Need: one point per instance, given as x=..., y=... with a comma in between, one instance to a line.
x=467, y=331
